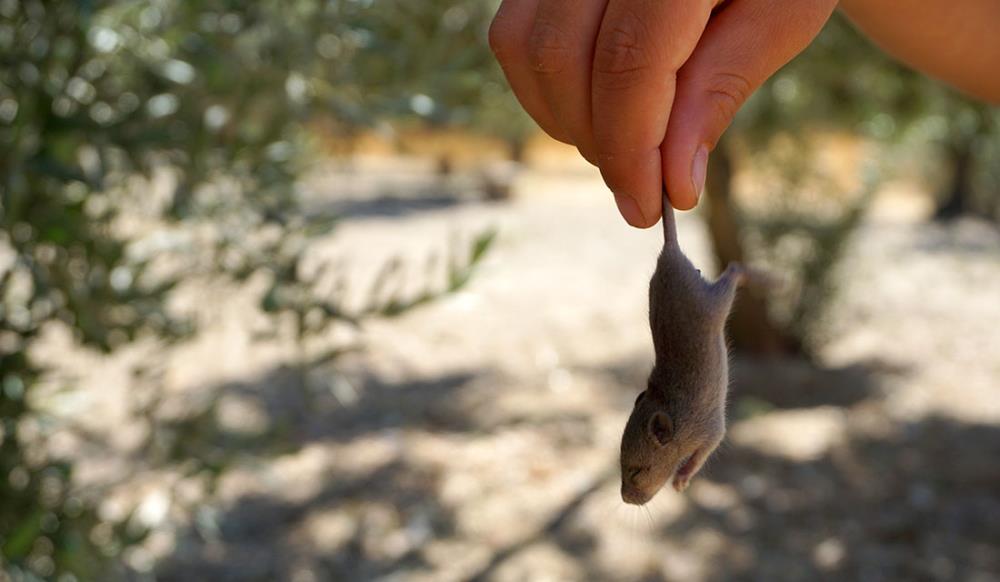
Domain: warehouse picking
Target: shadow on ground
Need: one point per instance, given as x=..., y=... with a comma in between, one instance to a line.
x=921, y=503
x=762, y=385
x=255, y=536
x=393, y=205
x=912, y=501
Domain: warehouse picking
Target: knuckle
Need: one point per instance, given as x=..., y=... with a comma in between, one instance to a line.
x=727, y=92
x=622, y=56
x=548, y=48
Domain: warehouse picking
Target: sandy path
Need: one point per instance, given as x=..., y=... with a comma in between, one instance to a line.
x=478, y=435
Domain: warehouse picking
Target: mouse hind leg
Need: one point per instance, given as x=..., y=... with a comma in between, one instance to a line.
x=723, y=291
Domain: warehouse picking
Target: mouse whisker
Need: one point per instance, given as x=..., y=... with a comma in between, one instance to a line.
x=649, y=517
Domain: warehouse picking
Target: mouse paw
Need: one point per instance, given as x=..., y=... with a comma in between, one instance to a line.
x=681, y=484
x=734, y=272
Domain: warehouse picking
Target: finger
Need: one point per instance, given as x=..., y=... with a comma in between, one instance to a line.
x=640, y=47
x=561, y=51
x=509, y=34
x=744, y=44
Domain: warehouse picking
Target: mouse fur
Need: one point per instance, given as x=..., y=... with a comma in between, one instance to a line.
x=680, y=418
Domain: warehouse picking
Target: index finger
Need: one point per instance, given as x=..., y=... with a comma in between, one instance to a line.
x=640, y=47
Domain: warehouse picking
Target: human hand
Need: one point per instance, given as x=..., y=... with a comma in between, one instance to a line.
x=645, y=88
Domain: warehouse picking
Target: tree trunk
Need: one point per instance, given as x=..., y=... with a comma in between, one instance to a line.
x=445, y=167
x=958, y=200
x=751, y=330
x=516, y=147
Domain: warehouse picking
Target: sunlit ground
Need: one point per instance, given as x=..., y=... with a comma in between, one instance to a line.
x=476, y=436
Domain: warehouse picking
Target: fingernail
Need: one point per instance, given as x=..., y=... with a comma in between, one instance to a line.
x=699, y=169
x=629, y=209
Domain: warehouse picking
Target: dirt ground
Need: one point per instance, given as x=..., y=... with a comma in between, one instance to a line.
x=476, y=437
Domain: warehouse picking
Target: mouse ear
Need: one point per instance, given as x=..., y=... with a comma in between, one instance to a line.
x=661, y=428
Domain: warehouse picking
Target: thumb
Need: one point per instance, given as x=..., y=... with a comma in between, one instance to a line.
x=744, y=43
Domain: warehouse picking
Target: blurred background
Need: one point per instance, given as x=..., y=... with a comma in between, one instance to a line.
x=293, y=290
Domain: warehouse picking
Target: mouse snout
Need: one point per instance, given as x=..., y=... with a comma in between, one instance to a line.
x=632, y=491
x=633, y=495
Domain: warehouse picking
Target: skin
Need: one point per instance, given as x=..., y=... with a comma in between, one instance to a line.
x=679, y=419
x=645, y=88
x=952, y=40
x=610, y=77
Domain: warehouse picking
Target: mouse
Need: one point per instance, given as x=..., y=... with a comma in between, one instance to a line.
x=679, y=420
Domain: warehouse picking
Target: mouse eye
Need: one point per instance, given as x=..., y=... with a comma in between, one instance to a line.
x=638, y=398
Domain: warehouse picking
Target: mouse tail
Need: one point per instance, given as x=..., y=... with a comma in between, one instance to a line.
x=669, y=224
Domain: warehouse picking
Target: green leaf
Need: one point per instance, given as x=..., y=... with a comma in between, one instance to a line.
x=19, y=542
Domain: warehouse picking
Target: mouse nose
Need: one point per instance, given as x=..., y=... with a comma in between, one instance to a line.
x=632, y=491
x=633, y=495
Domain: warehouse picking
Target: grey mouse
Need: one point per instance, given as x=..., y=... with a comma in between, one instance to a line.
x=680, y=418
